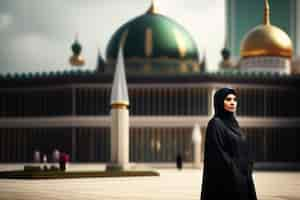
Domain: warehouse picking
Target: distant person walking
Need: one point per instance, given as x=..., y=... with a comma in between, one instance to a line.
x=37, y=156
x=63, y=160
x=227, y=171
x=55, y=156
x=179, y=161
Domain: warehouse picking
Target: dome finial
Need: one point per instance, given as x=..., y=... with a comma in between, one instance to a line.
x=267, y=13
x=153, y=8
x=76, y=59
x=76, y=37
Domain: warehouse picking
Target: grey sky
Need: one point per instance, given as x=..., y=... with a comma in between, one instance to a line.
x=36, y=35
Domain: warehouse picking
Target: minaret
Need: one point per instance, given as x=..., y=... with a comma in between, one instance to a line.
x=76, y=59
x=203, y=64
x=226, y=62
x=100, y=62
x=119, y=117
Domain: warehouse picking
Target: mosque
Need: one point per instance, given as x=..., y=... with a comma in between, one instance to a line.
x=170, y=91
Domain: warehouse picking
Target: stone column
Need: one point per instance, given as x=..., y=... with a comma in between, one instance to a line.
x=120, y=137
x=196, y=137
x=211, y=93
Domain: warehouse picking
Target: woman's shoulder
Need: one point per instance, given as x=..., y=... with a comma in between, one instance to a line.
x=215, y=127
x=215, y=121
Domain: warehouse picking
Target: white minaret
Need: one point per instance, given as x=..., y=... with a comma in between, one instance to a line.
x=196, y=137
x=119, y=117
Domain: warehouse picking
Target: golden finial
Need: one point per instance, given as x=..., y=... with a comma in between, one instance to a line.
x=267, y=13
x=153, y=8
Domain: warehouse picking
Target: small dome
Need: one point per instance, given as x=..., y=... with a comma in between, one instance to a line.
x=266, y=40
x=76, y=47
x=76, y=59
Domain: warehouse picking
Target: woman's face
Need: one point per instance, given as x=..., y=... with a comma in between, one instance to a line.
x=230, y=103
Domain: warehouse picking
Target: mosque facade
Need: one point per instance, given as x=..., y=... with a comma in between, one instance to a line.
x=169, y=92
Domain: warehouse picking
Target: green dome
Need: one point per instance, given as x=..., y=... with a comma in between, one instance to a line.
x=156, y=40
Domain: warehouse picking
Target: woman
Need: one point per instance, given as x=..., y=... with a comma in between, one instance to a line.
x=227, y=172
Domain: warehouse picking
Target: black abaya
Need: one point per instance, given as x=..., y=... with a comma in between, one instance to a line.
x=227, y=172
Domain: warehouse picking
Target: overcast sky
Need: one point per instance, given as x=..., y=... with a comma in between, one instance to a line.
x=35, y=35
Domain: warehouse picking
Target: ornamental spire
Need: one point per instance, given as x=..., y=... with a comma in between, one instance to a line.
x=76, y=36
x=119, y=93
x=267, y=13
x=153, y=8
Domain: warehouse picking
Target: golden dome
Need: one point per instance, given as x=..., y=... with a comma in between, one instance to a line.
x=266, y=40
x=76, y=59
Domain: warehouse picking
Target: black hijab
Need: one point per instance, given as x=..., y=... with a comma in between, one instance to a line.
x=227, y=117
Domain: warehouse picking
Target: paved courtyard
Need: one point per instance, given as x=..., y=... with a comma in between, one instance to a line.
x=172, y=184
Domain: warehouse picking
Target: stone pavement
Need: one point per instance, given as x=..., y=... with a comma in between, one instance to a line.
x=171, y=185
